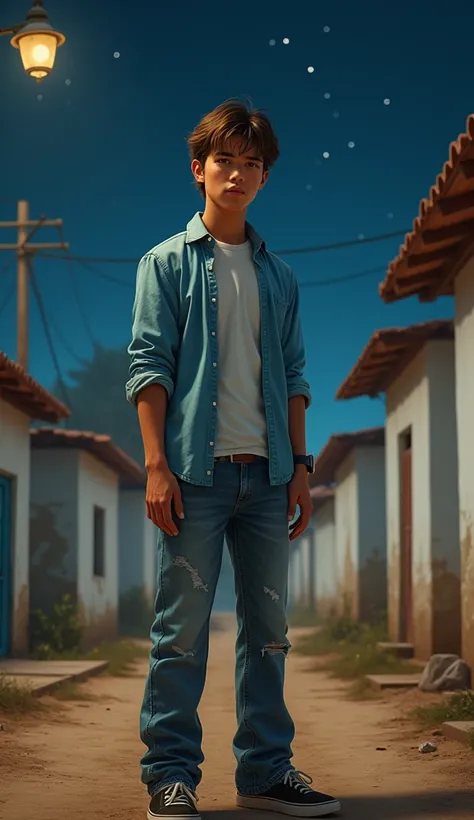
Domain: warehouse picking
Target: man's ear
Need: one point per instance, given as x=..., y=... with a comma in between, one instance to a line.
x=197, y=170
x=264, y=179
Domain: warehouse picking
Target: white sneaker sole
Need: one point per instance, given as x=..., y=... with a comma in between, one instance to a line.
x=245, y=801
x=151, y=816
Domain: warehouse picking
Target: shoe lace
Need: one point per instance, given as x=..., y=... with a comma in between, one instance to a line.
x=179, y=794
x=300, y=781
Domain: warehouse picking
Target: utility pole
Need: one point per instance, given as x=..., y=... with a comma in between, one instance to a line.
x=25, y=249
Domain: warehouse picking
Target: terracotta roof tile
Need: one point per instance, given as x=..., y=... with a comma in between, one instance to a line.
x=387, y=354
x=442, y=238
x=338, y=447
x=99, y=444
x=27, y=395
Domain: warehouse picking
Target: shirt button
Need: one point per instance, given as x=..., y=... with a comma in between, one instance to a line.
x=209, y=472
x=213, y=332
x=214, y=364
x=213, y=299
x=214, y=404
x=209, y=238
x=211, y=443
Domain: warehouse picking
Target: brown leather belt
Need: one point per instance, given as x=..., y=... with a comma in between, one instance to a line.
x=240, y=458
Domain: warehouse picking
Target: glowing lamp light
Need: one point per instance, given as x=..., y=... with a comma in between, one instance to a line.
x=37, y=42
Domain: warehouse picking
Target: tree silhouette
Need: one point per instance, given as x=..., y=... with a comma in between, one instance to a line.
x=98, y=403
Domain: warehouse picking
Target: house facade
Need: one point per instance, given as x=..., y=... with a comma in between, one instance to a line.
x=74, y=525
x=414, y=367
x=437, y=259
x=137, y=547
x=355, y=464
x=325, y=564
x=21, y=400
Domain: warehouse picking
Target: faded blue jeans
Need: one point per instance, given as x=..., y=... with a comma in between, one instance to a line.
x=253, y=517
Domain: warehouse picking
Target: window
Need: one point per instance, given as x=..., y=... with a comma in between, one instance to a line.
x=99, y=542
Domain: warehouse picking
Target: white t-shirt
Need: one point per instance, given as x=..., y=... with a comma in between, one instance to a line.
x=241, y=422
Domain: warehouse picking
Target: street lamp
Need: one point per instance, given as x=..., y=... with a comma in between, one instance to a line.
x=37, y=42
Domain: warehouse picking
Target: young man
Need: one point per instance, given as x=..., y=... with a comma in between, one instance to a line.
x=216, y=372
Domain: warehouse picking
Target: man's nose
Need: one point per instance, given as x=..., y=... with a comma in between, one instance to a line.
x=236, y=173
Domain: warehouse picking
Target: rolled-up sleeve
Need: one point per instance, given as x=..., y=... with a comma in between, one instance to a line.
x=293, y=349
x=155, y=334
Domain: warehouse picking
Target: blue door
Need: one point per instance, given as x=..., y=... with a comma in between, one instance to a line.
x=5, y=565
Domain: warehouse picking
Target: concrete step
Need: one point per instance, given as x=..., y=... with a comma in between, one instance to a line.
x=44, y=676
x=400, y=650
x=461, y=730
x=381, y=682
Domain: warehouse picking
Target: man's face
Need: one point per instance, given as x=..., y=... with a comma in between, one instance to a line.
x=232, y=178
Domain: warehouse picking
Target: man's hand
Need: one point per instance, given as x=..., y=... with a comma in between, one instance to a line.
x=298, y=494
x=162, y=494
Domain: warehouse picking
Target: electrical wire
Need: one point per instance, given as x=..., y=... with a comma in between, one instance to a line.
x=348, y=243
x=336, y=280
x=47, y=333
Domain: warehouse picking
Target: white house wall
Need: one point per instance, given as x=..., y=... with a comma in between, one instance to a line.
x=347, y=528
x=372, y=535
x=15, y=464
x=53, y=527
x=98, y=486
x=138, y=545
x=421, y=399
x=464, y=323
x=326, y=559
x=445, y=552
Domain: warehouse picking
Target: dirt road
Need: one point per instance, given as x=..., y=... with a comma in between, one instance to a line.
x=83, y=764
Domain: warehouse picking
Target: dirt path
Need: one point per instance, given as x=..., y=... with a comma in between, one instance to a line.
x=83, y=764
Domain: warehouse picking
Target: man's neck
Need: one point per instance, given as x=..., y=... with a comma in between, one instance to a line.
x=223, y=225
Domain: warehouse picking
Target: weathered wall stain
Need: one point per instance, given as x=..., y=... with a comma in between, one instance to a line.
x=393, y=602
x=347, y=593
x=446, y=609
x=467, y=588
x=97, y=628
x=422, y=611
x=372, y=602
x=49, y=579
x=20, y=629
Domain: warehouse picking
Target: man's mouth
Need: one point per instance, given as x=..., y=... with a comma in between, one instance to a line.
x=235, y=190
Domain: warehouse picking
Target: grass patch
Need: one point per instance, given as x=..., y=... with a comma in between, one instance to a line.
x=17, y=699
x=72, y=691
x=360, y=689
x=121, y=656
x=303, y=616
x=359, y=660
x=459, y=706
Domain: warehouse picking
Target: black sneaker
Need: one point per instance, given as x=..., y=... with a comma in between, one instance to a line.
x=292, y=795
x=175, y=801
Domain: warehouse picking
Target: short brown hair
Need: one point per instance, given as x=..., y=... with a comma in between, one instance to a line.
x=231, y=119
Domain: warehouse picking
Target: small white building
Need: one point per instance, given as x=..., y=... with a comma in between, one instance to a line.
x=414, y=367
x=355, y=464
x=325, y=564
x=74, y=524
x=137, y=546
x=21, y=399
x=437, y=259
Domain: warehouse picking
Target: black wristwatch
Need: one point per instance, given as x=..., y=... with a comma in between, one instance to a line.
x=308, y=461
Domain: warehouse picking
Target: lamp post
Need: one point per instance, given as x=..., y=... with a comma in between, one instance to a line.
x=36, y=41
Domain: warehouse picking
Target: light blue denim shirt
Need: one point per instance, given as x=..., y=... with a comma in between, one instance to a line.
x=174, y=343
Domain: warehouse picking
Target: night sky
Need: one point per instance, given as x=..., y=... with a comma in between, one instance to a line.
x=101, y=143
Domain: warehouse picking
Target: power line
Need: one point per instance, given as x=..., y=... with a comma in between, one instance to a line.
x=335, y=280
x=49, y=340
x=79, y=303
x=107, y=276
x=348, y=243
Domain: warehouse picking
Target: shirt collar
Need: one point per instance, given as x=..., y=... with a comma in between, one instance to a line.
x=196, y=230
